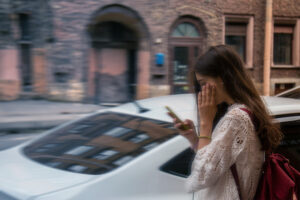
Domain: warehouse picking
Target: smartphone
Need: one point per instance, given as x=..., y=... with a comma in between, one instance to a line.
x=184, y=127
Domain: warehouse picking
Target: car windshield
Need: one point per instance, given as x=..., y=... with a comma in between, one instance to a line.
x=100, y=143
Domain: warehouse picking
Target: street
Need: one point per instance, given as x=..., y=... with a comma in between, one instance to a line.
x=10, y=140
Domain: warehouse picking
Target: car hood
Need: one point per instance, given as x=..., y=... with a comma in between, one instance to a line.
x=22, y=178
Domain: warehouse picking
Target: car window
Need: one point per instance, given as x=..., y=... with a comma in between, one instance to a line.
x=100, y=143
x=290, y=145
x=180, y=165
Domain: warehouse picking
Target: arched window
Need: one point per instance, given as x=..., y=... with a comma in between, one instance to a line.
x=185, y=29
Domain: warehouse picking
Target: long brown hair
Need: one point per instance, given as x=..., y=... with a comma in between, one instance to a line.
x=222, y=61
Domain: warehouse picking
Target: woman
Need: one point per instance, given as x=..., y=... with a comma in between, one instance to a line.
x=227, y=135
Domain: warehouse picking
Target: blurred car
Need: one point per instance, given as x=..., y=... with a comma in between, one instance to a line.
x=129, y=152
x=291, y=93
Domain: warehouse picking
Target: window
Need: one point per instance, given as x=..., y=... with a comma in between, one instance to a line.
x=24, y=26
x=181, y=56
x=139, y=138
x=181, y=164
x=185, y=29
x=118, y=131
x=79, y=150
x=283, y=44
x=239, y=35
x=105, y=154
x=283, y=48
x=25, y=51
x=236, y=37
x=99, y=143
x=281, y=87
x=123, y=160
x=77, y=168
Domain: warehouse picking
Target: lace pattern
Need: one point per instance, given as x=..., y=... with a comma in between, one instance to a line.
x=233, y=141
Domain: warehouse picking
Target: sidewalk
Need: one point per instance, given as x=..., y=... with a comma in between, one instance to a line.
x=19, y=115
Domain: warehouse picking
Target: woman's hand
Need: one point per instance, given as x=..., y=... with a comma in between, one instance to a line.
x=207, y=107
x=190, y=134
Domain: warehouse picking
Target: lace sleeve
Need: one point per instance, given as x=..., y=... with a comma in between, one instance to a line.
x=211, y=161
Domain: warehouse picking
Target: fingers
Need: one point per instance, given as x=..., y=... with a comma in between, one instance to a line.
x=207, y=96
x=199, y=98
x=214, y=95
x=203, y=95
x=175, y=121
x=170, y=114
x=189, y=122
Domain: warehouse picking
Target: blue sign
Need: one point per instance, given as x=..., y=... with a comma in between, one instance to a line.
x=160, y=57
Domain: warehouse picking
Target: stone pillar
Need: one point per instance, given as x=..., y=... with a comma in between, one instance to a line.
x=143, y=79
x=39, y=72
x=91, y=73
x=10, y=84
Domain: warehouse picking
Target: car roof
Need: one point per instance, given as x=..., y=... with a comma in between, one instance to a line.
x=178, y=102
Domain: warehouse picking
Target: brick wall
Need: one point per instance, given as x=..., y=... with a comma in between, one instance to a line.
x=60, y=29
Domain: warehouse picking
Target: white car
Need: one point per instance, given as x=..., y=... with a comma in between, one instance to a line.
x=120, y=153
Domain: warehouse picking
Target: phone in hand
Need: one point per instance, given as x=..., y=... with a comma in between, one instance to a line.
x=184, y=126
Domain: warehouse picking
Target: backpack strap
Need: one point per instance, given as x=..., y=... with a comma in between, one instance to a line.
x=249, y=113
x=236, y=179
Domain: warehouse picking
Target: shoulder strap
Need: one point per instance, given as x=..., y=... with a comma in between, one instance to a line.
x=249, y=112
x=236, y=179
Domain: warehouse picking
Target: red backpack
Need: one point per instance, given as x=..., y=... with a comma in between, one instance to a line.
x=278, y=181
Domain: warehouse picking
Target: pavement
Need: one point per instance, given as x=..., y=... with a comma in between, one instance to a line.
x=21, y=115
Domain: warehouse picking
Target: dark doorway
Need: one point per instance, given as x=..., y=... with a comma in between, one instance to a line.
x=26, y=69
x=115, y=78
x=25, y=52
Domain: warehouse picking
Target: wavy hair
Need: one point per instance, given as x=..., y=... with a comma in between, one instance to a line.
x=222, y=61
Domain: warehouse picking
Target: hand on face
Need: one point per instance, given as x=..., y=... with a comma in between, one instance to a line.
x=207, y=106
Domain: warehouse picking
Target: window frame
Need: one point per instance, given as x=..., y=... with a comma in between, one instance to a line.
x=277, y=28
x=249, y=21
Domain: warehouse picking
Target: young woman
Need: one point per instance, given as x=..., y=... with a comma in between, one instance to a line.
x=227, y=135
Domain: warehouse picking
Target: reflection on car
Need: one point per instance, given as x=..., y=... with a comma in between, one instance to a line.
x=99, y=143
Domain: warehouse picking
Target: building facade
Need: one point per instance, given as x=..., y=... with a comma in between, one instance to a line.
x=113, y=51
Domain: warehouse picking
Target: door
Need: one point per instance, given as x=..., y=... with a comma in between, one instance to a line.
x=183, y=57
x=112, y=76
x=26, y=67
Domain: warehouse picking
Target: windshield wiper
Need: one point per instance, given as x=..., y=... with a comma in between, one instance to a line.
x=141, y=109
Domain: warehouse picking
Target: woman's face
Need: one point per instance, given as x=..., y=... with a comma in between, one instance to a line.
x=220, y=90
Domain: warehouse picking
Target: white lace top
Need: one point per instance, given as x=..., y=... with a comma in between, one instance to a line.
x=233, y=141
